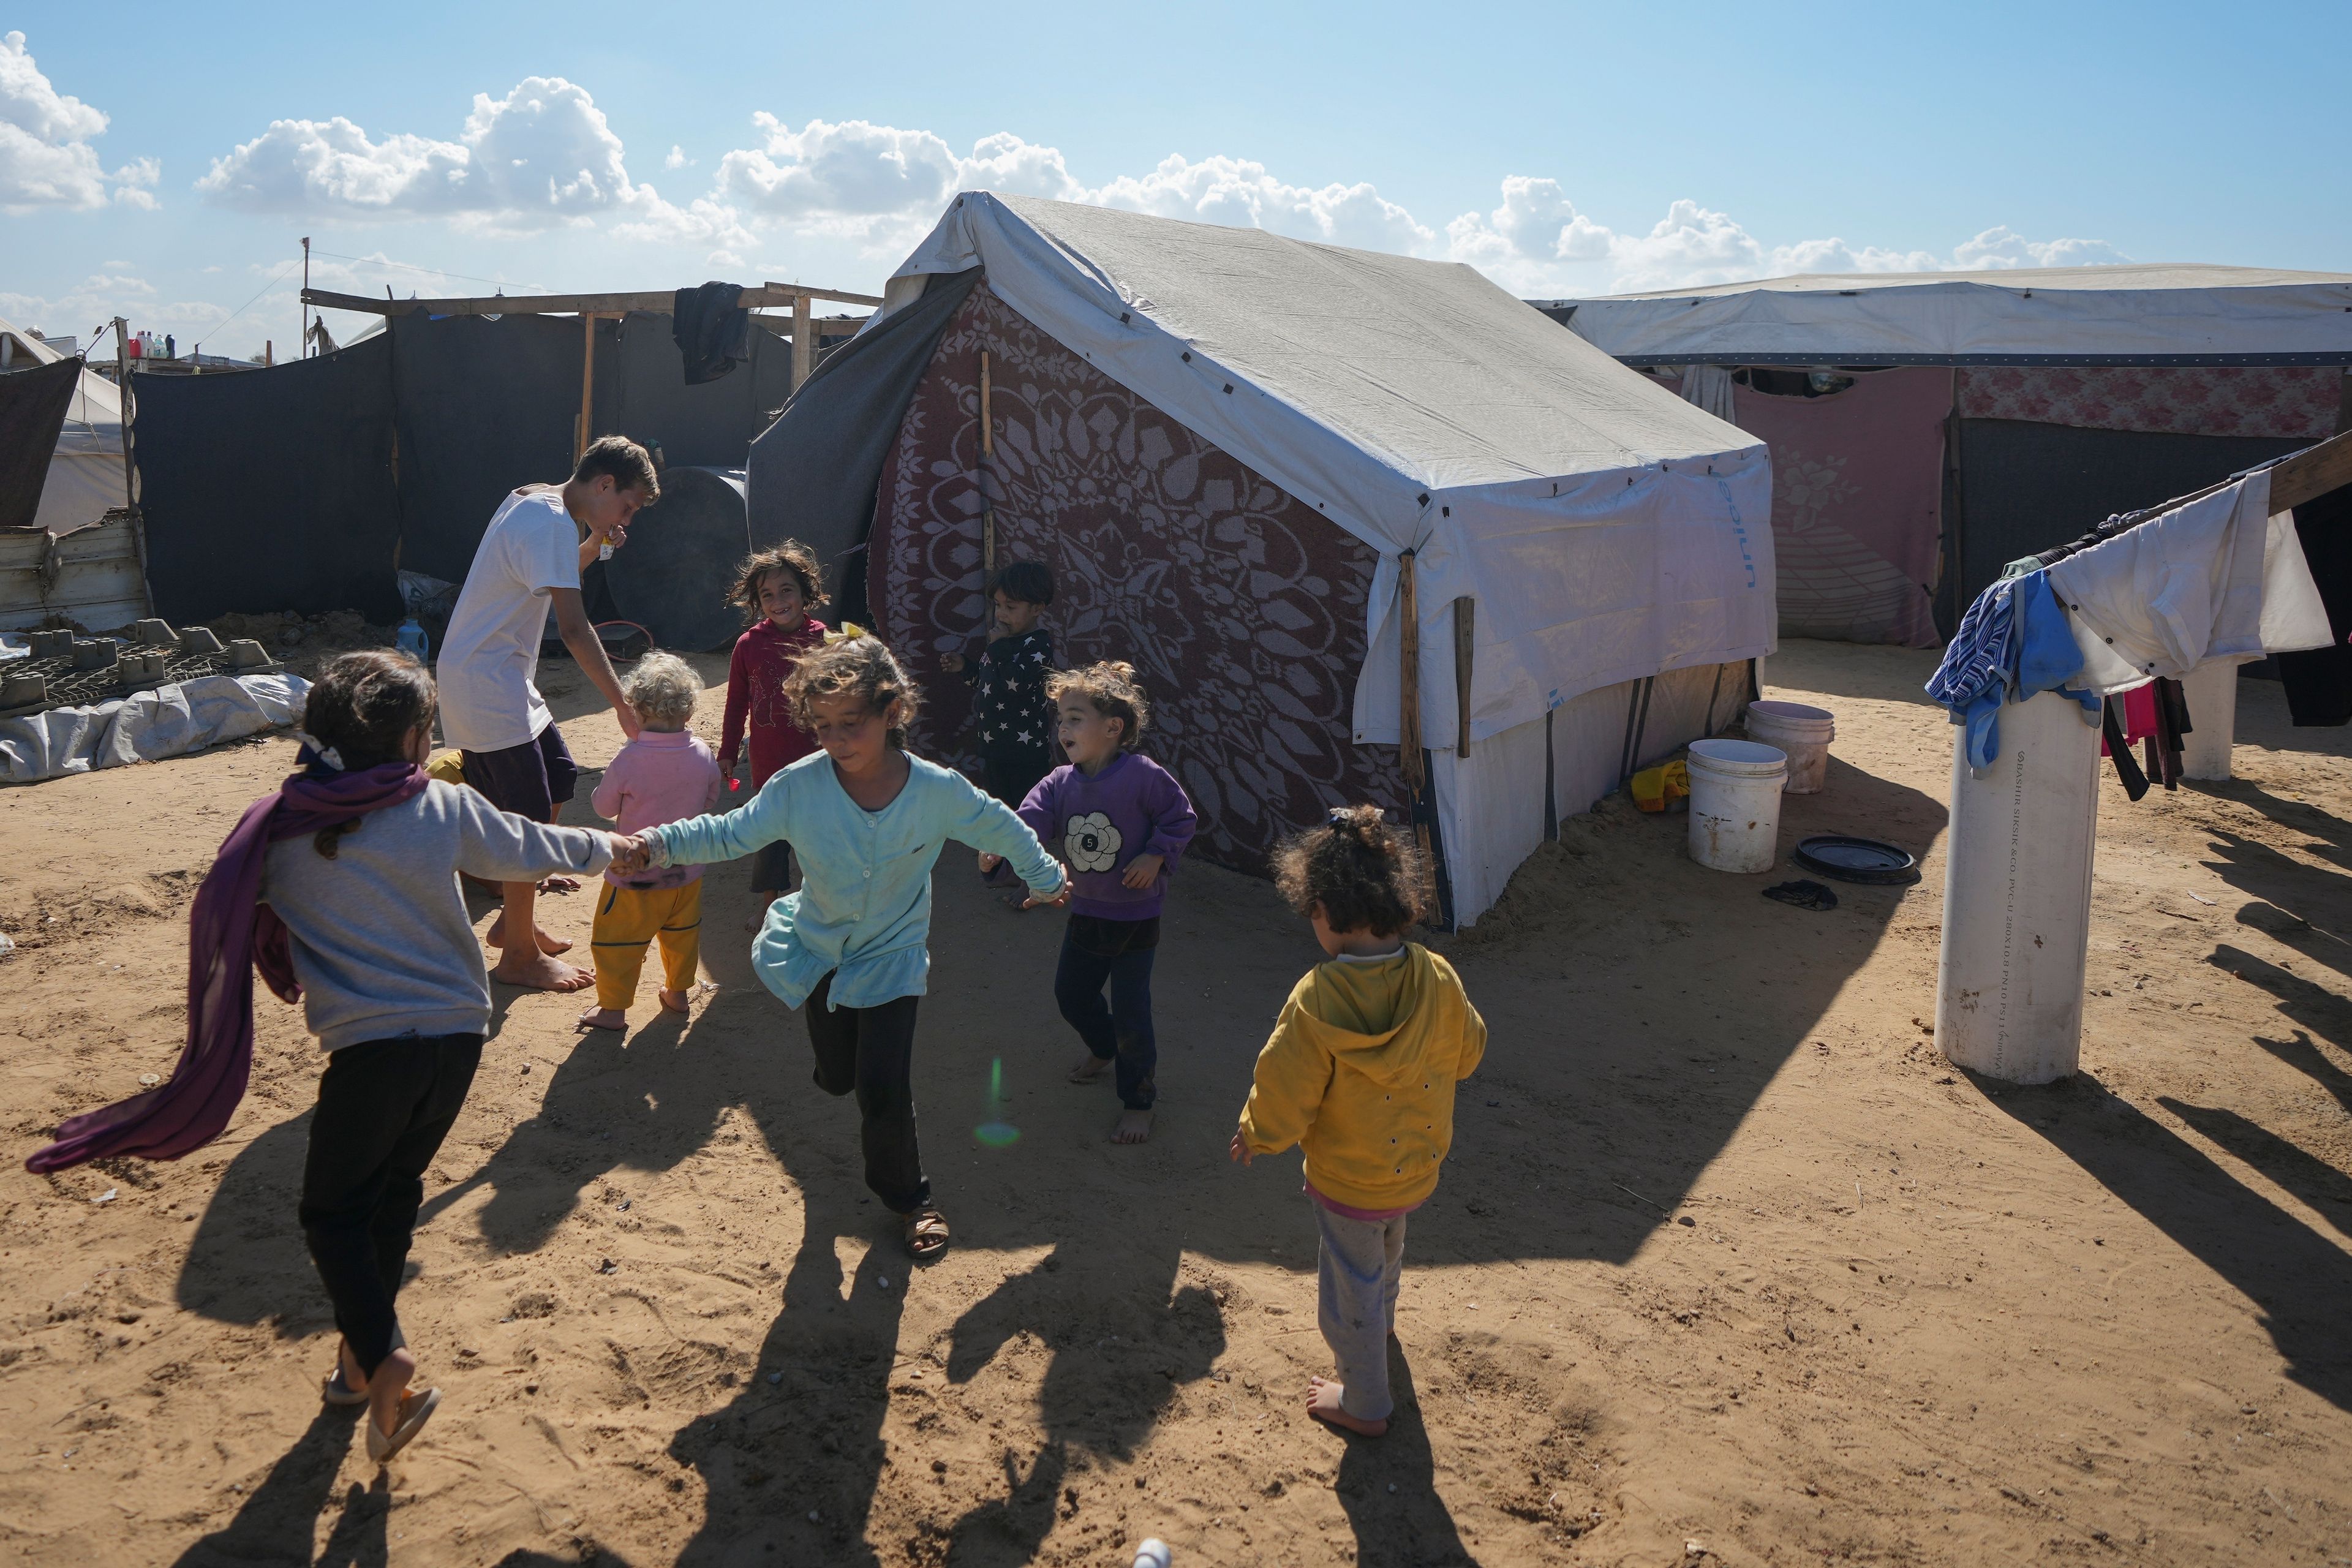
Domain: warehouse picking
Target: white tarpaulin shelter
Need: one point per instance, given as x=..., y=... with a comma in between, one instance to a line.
x=1606, y=531
x=86, y=475
x=2171, y=314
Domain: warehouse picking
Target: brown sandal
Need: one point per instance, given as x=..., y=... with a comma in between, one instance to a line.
x=927, y=1234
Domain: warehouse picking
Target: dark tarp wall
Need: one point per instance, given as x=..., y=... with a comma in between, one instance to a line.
x=484, y=406
x=2027, y=486
x=33, y=405
x=487, y=405
x=813, y=472
x=270, y=489
x=642, y=393
x=672, y=576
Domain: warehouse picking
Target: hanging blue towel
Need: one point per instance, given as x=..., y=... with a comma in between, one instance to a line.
x=2015, y=643
x=2048, y=658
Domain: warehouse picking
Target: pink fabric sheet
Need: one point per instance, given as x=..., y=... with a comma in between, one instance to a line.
x=1857, y=504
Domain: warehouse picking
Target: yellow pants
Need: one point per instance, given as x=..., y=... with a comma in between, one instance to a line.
x=629, y=918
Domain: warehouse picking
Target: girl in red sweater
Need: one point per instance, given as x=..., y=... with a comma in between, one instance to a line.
x=777, y=588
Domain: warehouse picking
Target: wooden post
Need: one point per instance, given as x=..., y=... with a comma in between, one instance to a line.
x=302, y=343
x=987, y=466
x=123, y=402
x=1416, y=775
x=587, y=386
x=803, y=338
x=268, y=352
x=1465, y=612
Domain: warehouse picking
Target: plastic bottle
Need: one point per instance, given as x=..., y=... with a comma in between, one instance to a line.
x=1153, y=1553
x=411, y=640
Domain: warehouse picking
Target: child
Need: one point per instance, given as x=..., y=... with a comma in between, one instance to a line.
x=1121, y=819
x=354, y=863
x=1360, y=1072
x=776, y=589
x=1016, y=717
x=868, y=822
x=663, y=775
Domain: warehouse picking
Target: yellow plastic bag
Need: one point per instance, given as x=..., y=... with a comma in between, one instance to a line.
x=1656, y=788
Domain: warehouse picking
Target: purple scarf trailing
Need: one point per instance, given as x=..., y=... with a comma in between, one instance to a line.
x=230, y=934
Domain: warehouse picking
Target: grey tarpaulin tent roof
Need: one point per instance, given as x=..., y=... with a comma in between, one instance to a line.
x=1603, y=529
x=2173, y=314
x=1606, y=529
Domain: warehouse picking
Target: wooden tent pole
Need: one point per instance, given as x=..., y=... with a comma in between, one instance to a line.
x=987, y=466
x=587, y=386
x=1416, y=774
x=1466, y=614
x=803, y=338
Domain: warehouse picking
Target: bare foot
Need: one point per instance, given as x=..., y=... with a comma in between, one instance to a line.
x=497, y=936
x=540, y=973
x=1089, y=1068
x=1132, y=1127
x=560, y=885
x=1323, y=1404
x=605, y=1018
x=386, y=1387
x=673, y=1001
x=759, y=915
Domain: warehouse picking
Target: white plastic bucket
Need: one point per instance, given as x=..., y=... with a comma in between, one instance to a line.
x=2017, y=895
x=1735, y=804
x=1804, y=732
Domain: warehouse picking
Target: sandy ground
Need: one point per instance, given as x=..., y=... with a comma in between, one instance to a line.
x=1728, y=1262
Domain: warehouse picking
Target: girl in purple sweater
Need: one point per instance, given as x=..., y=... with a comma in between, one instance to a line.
x=1119, y=820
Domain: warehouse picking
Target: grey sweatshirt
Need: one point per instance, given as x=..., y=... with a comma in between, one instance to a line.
x=381, y=943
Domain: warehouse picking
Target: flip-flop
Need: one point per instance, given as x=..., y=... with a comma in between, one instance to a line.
x=335, y=1391
x=926, y=1234
x=416, y=1409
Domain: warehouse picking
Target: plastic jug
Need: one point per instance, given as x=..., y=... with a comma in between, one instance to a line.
x=411, y=640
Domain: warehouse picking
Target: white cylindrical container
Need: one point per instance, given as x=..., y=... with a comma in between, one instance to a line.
x=2017, y=895
x=1735, y=804
x=2212, y=692
x=1804, y=732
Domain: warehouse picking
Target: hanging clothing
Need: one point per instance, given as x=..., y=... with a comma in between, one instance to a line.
x=2163, y=597
x=2015, y=643
x=2117, y=750
x=2318, y=680
x=712, y=331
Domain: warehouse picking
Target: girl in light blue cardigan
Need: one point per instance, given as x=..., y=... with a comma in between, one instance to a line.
x=867, y=821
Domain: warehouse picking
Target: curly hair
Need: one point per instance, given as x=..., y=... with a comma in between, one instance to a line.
x=363, y=709
x=860, y=666
x=1109, y=688
x=662, y=688
x=1364, y=874
x=791, y=556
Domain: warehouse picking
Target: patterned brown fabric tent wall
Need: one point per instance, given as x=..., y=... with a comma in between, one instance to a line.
x=1242, y=610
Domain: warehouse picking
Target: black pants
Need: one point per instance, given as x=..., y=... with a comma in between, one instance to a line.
x=1096, y=953
x=384, y=1107
x=1014, y=771
x=872, y=1050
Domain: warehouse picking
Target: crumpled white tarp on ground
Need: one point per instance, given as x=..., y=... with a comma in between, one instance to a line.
x=148, y=725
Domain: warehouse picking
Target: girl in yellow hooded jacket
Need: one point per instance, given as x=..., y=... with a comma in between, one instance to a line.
x=1360, y=1072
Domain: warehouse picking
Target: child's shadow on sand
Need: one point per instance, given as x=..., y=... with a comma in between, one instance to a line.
x=1112, y=1373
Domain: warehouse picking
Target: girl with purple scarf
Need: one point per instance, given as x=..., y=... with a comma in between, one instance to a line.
x=343, y=890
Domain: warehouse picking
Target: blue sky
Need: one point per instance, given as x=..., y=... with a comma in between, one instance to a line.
x=164, y=160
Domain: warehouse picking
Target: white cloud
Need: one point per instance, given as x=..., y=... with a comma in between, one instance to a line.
x=845, y=176
x=86, y=309
x=1246, y=195
x=541, y=156
x=1537, y=243
x=2003, y=247
x=45, y=158
x=677, y=158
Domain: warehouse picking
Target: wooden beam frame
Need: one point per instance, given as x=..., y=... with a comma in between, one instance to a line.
x=772, y=296
x=2312, y=473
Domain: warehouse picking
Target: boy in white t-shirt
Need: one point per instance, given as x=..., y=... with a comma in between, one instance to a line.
x=531, y=554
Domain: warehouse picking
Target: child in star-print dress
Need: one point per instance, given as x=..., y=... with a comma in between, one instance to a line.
x=1008, y=679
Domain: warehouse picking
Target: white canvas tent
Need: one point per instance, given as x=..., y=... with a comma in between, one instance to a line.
x=2169, y=314
x=72, y=565
x=1606, y=531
